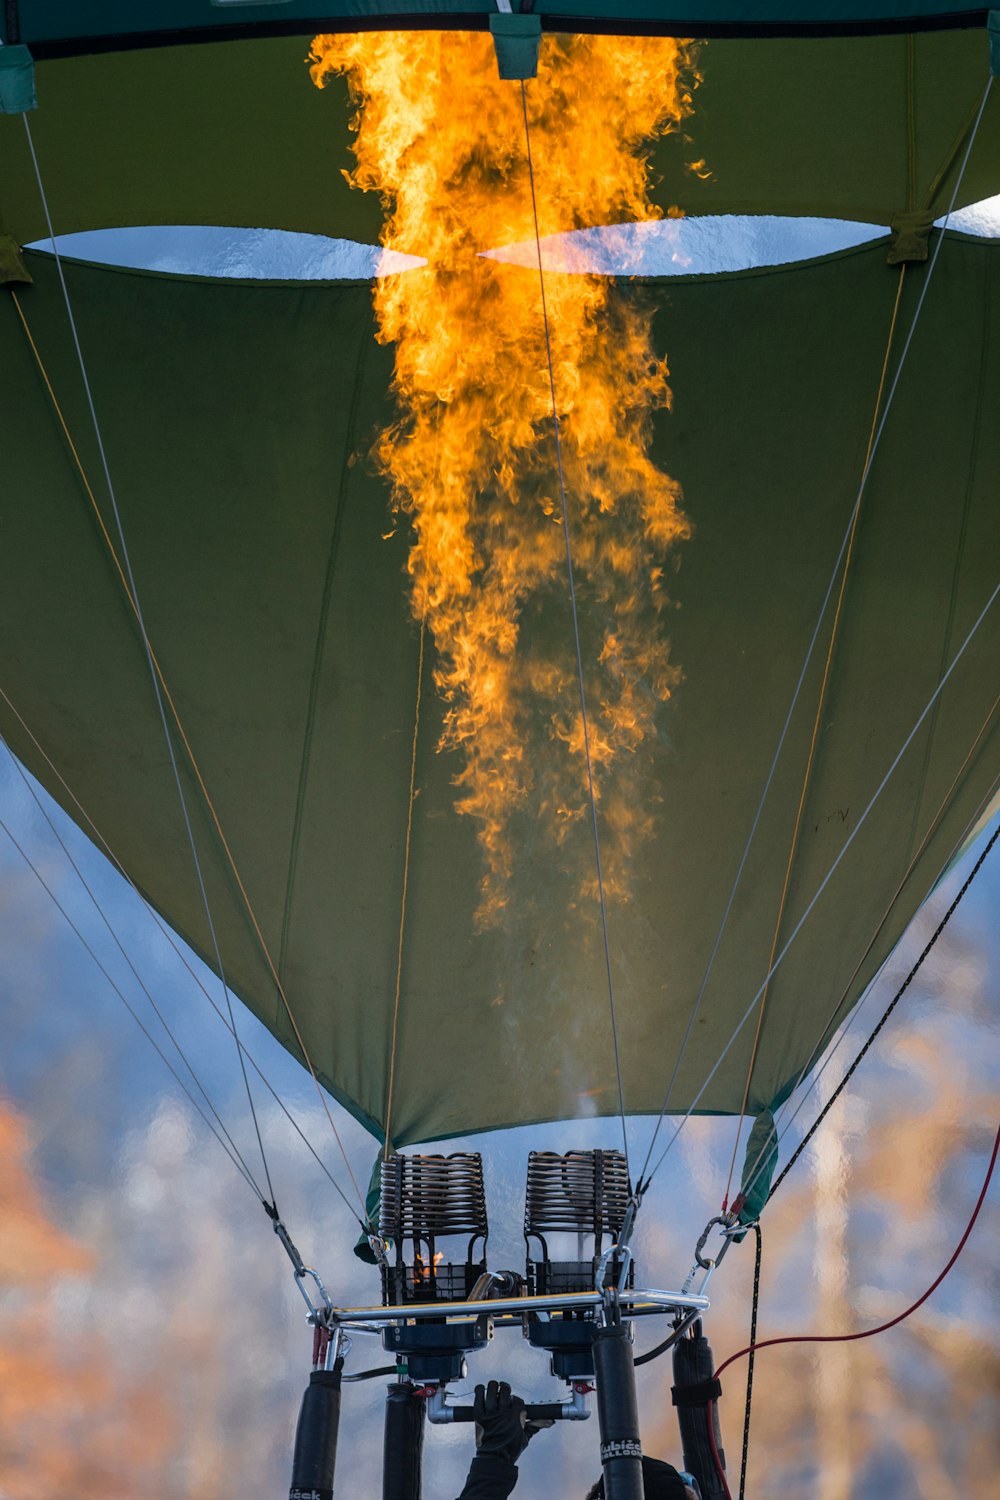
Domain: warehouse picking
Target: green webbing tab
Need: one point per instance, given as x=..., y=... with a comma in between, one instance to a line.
x=12, y=267
x=758, y=1167
x=993, y=31
x=910, y=234
x=373, y=1202
x=17, y=80
x=516, y=39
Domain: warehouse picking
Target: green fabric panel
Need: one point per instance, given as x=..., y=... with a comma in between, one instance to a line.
x=853, y=128
x=279, y=614
x=758, y=1168
x=373, y=1205
x=517, y=40
x=17, y=81
x=50, y=20
x=12, y=267
x=236, y=134
x=233, y=134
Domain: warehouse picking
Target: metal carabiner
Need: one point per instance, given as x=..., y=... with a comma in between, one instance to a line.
x=315, y=1313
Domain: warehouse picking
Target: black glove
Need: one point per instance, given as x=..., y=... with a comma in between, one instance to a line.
x=500, y=1422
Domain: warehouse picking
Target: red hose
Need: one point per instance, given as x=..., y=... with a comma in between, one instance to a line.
x=716, y=1455
x=867, y=1333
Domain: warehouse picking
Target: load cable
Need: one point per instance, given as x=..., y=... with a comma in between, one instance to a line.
x=754, y=1306
x=644, y=1180
x=189, y=751
x=159, y=682
x=402, y=902
x=127, y=562
x=234, y=1154
x=900, y=992
x=829, y=1021
x=121, y=948
x=759, y=1165
x=576, y=629
x=783, y=1126
x=814, y=737
x=175, y=944
x=929, y=705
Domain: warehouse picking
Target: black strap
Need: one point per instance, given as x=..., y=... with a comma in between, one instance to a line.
x=12, y=22
x=699, y=1394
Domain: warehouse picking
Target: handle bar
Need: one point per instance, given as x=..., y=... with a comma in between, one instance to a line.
x=542, y=1411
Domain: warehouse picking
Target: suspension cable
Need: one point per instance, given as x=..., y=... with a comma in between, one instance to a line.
x=759, y=1165
x=234, y=1154
x=53, y=829
x=911, y=866
x=901, y=991
x=126, y=560
x=873, y=449
x=814, y=738
x=576, y=629
x=203, y=788
x=402, y=902
x=830, y=873
x=175, y=943
x=192, y=759
x=754, y=1306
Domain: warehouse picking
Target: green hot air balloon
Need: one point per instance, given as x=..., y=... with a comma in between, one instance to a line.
x=238, y=420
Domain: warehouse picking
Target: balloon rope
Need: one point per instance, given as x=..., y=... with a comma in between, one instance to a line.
x=157, y=692
x=402, y=902
x=754, y=1307
x=810, y=758
x=886, y=1014
x=890, y=398
x=170, y=938
x=189, y=751
x=234, y=1155
x=576, y=627
x=830, y=1019
x=760, y=1163
x=53, y=829
x=928, y=706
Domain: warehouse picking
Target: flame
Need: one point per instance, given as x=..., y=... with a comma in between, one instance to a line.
x=472, y=457
x=424, y=1271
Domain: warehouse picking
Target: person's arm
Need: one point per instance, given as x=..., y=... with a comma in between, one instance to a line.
x=491, y=1477
x=501, y=1437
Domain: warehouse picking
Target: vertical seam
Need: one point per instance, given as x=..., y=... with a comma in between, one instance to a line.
x=319, y=654
x=960, y=545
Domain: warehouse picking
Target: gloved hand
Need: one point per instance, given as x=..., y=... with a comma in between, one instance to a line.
x=501, y=1426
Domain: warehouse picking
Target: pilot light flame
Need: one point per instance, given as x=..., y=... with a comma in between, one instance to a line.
x=472, y=459
x=424, y=1270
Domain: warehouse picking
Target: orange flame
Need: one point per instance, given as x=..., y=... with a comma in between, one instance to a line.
x=472, y=457
x=424, y=1271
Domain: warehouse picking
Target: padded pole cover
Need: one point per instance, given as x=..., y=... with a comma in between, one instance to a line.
x=403, y=1448
x=316, y=1437
x=694, y=1395
x=618, y=1415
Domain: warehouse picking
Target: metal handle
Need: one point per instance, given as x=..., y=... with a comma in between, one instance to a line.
x=543, y=1411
